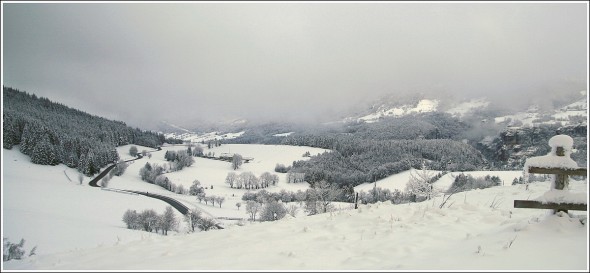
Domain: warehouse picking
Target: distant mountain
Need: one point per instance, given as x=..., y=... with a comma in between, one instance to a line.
x=382, y=111
x=572, y=112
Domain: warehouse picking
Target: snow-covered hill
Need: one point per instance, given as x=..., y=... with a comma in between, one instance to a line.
x=571, y=113
x=467, y=107
x=422, y=106
x=199, y=138
x=79, y=228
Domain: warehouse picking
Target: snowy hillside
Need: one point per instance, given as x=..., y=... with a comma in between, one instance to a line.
x=467, y=107
x=399, y=181
x=571, y=114
x=79, y=228
x=423, y=106
x=198, y=138
x=574, y=113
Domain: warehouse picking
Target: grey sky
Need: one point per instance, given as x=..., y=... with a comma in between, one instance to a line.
x=145, y=62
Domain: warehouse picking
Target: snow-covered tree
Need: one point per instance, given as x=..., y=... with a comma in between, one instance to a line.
x=120, y=168
x=236, y=161
x=44, y=153
x=206, y=224
x=168, y=220
x=273, y=211
x=219, y=200
x=325, y=194
x=230, y=179
x=13, y=251
x=192, y=218
x=131, y=219
x=252, y=207
x=195, y=188
x=149, y=220
x=133, y=151
x=420, y=183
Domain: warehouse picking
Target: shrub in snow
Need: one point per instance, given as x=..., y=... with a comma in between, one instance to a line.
x=273, y=211
x=464, y=182
x=280, y=168
x=206, y=224
x=119, y=168
x=133, y=151
x=14, y=251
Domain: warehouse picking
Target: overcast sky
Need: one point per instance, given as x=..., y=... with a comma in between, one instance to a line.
x=145, y=62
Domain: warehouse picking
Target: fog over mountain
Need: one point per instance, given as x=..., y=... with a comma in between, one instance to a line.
x=303, y=62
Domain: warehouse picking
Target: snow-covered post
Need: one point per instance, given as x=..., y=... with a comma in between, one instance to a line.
x=558, y=147
x=558, y=163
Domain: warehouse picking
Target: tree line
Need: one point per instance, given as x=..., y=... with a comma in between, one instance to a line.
x=355, y=161
x=149, y=220
x=52, y=133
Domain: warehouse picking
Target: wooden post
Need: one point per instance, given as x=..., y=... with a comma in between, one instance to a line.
x=356, y=201
x=561, y=180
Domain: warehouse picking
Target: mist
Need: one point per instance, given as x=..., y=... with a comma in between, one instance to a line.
x=185, y=63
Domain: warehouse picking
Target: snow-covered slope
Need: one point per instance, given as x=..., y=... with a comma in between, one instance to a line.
x=198, y=138
x=467, y=107
x=79, y=228
x=423, y=106
x=571, y=114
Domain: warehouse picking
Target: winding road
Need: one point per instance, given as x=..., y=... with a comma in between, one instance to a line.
x=173, y=202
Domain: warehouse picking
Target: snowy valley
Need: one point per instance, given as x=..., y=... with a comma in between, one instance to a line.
x=475, y=230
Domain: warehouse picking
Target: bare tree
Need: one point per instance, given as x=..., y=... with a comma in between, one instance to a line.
x=420, y=183
x=219, y=200
x=180, y=189
x=236, y=161
x=149, y=220
x=201, y=196
x=252, y=207
x=133, y=151
x=192, y=218
x=131, y=219
x=326, y=193
x=230, y=179
x=273, y=211
x=196, y=188
x=168, y=221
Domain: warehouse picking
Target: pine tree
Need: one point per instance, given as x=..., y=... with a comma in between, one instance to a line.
x=44, y=153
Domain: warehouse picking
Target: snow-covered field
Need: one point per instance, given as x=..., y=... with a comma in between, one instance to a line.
x=212, y=174
x=76, y=227
x=399, y=181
